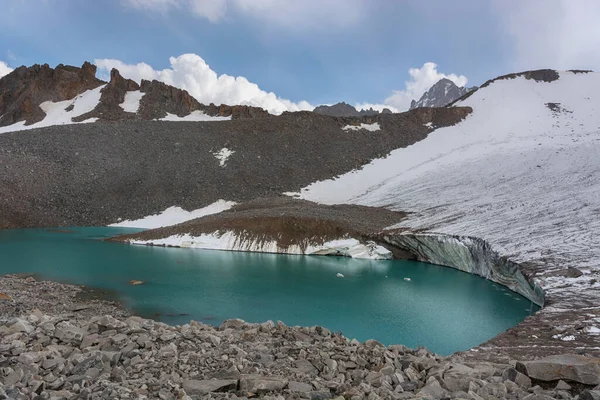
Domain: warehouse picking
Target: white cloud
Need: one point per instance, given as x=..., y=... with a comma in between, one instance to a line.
x=561, y=34
x=421, y=79
x=305, y=13
x=192, y=73
x=212, y=10
x=286, y=13
x=4, y=69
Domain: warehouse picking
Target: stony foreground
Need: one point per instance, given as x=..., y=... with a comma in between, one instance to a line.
x=66, y=356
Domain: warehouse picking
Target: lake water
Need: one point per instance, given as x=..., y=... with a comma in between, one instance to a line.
x=441, y=308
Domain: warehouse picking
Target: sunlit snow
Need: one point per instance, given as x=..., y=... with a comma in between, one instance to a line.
x=369, y=127
x=57, y=114
x=175, y=215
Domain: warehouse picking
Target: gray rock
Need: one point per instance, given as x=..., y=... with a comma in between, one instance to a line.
x=590, y=395
x=570, y=367
x=108, y=322
x=262, y=384
x=232, y=323
x=299, y=387
x=319, y=395
x=68, y=333
x=538, y=396
x=168, y=351
x=305, y=366
x=562, y=385
x=202, y=387
x=493, y=390
x=16, y=325
x=515, y=376
x=433, y=389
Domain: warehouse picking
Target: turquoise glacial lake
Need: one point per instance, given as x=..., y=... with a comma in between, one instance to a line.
x=441, y=308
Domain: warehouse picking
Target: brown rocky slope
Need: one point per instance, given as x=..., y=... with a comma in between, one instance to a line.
x=23, y=90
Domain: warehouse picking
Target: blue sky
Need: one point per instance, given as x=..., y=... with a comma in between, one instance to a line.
x=320, y=51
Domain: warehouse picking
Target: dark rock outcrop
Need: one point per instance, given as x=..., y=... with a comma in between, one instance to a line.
x=443, y=92
x=346, y=110
x=25, y=88
x=538, y=75
x=160, y=99
x=112, y=95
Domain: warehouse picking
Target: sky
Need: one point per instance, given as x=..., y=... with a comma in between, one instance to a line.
x=293, y=55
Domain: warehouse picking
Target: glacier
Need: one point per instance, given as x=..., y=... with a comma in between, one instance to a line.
x=347, y=247
x=522, y=175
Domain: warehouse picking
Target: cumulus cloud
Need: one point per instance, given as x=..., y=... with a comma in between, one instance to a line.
x=421, y=79
x=4, y=69
x=192, y=73
x=561, y=34
x=286, y=13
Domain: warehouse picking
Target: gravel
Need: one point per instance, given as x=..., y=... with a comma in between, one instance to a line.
x=94, y=174
x=58, y=355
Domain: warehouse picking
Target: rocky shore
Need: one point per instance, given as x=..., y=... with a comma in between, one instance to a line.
x=74, y=349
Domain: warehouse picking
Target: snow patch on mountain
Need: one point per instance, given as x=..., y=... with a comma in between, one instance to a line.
x=194, y=116
x=61, y=112
x=231, y=242
x=131, y=103
x=369, y=127
x=175, y=215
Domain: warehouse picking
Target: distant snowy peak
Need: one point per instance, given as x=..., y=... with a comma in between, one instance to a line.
x=442, y=93
x=346, y=110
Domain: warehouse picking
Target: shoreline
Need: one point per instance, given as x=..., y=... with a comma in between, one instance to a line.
x=103, y=351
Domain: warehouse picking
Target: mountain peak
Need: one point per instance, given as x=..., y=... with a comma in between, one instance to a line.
x=440, y=94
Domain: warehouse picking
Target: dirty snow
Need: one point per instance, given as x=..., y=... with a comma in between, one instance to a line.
x=229, y=241
x=223, y=155
x=194, y=116
x=175, y=215
x=369, y=127
x=56, y=113
x=131, y=103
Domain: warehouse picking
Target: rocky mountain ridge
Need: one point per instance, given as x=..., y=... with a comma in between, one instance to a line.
x=23, y=91
x=441, y=94
x=346, y=110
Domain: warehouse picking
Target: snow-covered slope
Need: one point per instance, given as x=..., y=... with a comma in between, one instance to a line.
x=131, y=103
x=60, y=113
x=194, y=116
x=522, y=172
x=175, y=215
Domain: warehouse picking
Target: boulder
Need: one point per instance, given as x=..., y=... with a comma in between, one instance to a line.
x=16, y=325
x=433, y=389
x=262, y=384
x=203, y=387
x=590, y=395
x=568, y=367
x=511, y=374
x=300, y=387
x=68, y=333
